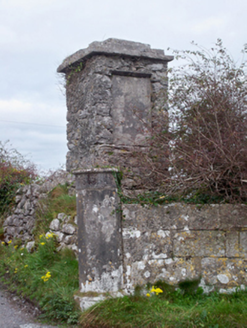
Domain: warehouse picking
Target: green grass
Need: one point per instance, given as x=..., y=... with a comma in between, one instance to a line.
x=57, y=201
x=171, y=309
x=23, y=272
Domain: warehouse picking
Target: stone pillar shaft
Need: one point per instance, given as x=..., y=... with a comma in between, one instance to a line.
x=99, y=237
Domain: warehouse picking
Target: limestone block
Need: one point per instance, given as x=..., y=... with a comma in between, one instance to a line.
x=204, y=217
x=30, y=223
x=157, y=67
x=18, y=211
x=232, y=244
x=70, y=240
x=233, y=217
x=17, y=198
x=59, y=236
x=19, y=230
x=199, y=243
x=68, y=229
x=145, y=218
x=223, y=271
x=30, y=246
x=29, y=192
x=11, y=231
x=86, y=301
x=171, y=270
x=8, y=221
x=243, y=243
x=176, y=215
x=61, y=216
x=32, y=211
x=27, y=207
x=17, y=222
x=55, y=225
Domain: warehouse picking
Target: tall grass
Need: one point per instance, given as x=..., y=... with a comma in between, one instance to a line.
x=170, y=309
x=58, y=201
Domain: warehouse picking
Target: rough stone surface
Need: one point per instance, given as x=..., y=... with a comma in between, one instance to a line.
x=30, y=246
x=177, y=242
x=21, y=222
x=55, y=225
x=116, y=47
x=113, y=88
x=99, y=236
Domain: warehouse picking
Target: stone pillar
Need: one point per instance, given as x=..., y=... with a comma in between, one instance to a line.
x=99, y=237
x=112, y=89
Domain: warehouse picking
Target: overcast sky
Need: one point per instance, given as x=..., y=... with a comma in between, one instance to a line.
x=36, y=35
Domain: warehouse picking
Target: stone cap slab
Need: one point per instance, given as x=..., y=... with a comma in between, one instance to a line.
x=95, y=170
x=114, y=47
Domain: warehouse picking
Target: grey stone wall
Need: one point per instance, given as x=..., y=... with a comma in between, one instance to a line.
x=177, y=242
x=21, y=221
x=112, y=89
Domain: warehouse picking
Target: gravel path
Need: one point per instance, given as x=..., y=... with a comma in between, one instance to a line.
x=17, y=313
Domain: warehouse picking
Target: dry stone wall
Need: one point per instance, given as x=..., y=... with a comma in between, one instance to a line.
x=21, y=222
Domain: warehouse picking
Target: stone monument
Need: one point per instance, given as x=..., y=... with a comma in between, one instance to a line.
x=112, y=88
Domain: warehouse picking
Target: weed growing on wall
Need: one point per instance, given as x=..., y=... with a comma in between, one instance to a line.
x=45, y=276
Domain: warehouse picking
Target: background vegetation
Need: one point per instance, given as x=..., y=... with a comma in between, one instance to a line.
x=203, y=149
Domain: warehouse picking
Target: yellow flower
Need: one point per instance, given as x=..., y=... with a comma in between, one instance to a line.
x=42, y=244
x=157, y=291
x=25, y=266
x=16, y=246
x=16, y=270
x=161, y=197
x=3, y=243
x=46, y=277
x=10, y=241
x=40, y=236
x=50, y=235
x=148, y=295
